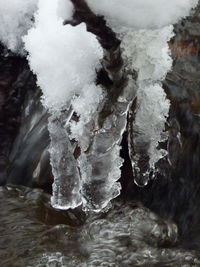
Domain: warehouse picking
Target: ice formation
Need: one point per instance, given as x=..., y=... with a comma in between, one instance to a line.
x=16, y=17
x=144, y=28
x=67, y=78
x=146, y=129
x=86, y=121
x=66, y=186
x=100, y=165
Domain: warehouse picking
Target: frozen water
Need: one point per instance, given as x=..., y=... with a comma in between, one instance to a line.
x=142, y=14
x=86, y=107
x=66, y=64
x=151, y=115
x=147, y=52
x=66, y=71
x=66, y=186
x=65, y=59
x=16, y=17
x=100, y=165
x=152, y=62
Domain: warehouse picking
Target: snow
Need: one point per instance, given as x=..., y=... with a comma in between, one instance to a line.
x=65, y=9
x=147, y=52
x=16, y=17
x=64, y=58
x=142, y=14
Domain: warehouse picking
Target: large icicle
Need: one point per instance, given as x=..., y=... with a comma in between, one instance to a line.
x=149, y=113
x=100, y=164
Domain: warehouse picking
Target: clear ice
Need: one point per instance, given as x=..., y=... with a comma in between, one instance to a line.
x=66, y=186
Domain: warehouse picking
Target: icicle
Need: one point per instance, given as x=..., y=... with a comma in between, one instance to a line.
x=148, y=115
x=66, y=186
x=100, y=164
x=146, y=127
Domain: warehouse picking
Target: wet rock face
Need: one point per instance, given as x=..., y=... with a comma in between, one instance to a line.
x=23, y=125
x=15, y=80
x=29, y=157
x=183, y=88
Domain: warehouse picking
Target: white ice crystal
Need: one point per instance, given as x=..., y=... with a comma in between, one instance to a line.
x=100, y=165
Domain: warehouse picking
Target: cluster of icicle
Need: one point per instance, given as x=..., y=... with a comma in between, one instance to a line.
x=85, y=139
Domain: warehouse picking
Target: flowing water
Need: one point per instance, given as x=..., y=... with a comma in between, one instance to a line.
x=34, y=234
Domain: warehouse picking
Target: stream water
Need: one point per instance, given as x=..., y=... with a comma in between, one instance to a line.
x=32, y=234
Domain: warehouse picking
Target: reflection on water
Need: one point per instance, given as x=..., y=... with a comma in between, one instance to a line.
x=33, y=234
